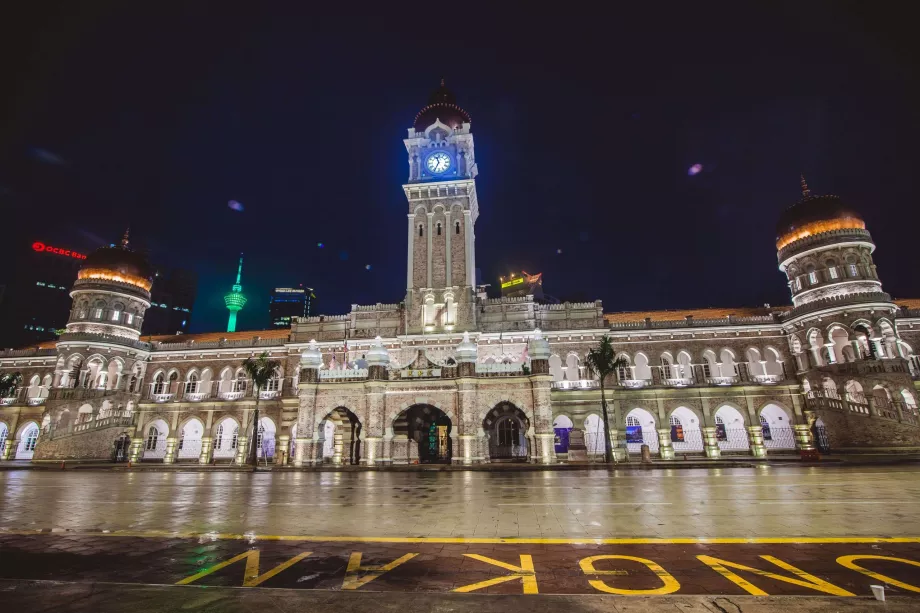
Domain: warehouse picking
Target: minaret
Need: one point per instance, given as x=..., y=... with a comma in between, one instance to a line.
x=235, y=300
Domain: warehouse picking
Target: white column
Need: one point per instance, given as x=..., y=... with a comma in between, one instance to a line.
x=430, y=217
x=447, y=231
x=409, y=255
x=470, y=263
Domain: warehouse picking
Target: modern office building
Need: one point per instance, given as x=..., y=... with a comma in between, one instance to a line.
x=286, y=303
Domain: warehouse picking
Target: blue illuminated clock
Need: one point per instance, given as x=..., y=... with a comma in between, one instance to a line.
x=438, y=163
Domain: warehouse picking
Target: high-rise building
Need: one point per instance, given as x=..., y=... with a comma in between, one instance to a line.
x=172, y=299
x=37, y=300
x=235, y=300
x=286, y=303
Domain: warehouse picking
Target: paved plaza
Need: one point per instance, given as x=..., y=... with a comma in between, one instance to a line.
x=729, y=533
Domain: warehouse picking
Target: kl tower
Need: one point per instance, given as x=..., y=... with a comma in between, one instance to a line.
x=235, y=300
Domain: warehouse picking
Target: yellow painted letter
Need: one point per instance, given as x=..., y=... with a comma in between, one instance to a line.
x=352, y=578
x=850, y=562
x=670, y=584
x=524, y=572
x=251, y=578
x=804, y=579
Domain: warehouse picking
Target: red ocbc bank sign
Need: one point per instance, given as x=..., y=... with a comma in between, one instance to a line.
x=43, y=248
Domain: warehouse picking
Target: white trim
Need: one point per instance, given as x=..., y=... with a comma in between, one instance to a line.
x=783, y=265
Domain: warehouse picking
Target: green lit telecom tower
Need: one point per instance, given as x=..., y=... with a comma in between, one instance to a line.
x=235, y=300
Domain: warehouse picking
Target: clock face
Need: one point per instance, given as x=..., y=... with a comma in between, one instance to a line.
x=438, y=163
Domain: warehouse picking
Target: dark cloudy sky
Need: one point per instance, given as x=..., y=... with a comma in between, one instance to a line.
x=586, y=122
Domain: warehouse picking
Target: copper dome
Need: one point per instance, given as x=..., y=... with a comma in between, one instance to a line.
x=814, y=215
x=442, y=106
x=118, y=263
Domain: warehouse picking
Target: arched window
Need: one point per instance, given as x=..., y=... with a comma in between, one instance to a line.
x=831, y=268
x=456, y=227
x=420, y=231
x=439, y=228
x=116, y=312
x=152, y=435
x=31, y=438
x=159, y=384
x=812, y=275
x=191, y=386
x=98, y=309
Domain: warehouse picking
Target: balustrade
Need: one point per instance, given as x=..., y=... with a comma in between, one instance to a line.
x=580, y=384
x=635, y=383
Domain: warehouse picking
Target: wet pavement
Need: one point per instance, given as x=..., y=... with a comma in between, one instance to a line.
x=734, y=532
x=741, y=502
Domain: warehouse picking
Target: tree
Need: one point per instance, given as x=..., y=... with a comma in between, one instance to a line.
x=604, y=361
x=261, y=370
x=8, y=384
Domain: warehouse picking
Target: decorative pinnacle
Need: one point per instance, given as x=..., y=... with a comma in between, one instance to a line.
x=442, y=81
x=805, y=191
x=124, y=238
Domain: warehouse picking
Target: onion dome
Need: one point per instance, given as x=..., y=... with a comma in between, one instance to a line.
x=378, y=354
x=814, y=215
x=442, y=106
x=467, y=349
x=118, y=263
x=311, y=357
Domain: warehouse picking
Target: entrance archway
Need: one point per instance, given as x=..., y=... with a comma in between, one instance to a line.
x=226, y=439
x=155, y=440
x=428, y=429
x=562, y=427
x=190, y=440
x=266, y=440
x=594, y=435
x=507, y=426
x=777, y=428
x=27, y=441
x=731, y=433
x=640, y=430
x=122, y=446
x=345, y=432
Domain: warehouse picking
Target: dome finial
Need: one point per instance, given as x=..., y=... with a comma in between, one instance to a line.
x=124, y=238
x=442, y=81
x=805, y=191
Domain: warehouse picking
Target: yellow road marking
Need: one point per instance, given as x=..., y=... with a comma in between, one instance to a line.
x=525, y=572
x=669, y=583
x=353, y=578
x=804, y=579
x=251, y=576
x=460, y=540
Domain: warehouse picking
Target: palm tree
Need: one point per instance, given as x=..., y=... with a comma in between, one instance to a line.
x=261, y=370
x=8, y=384
x=604, y=361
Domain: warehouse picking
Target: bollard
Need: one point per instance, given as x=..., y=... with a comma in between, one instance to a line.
x=646, y=454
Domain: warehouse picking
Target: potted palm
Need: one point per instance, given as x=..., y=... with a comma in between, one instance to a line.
x=261, y=370
x=604, y=361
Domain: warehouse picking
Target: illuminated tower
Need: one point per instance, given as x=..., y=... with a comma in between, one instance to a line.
x=441, y=194
x=111, y=293
x=235, y=300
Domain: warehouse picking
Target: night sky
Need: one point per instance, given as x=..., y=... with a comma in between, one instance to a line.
x=158, y=114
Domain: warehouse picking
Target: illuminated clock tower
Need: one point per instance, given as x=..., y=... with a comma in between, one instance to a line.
x=441, y=191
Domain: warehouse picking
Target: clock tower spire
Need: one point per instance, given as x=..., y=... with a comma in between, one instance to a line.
x=441, y=193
